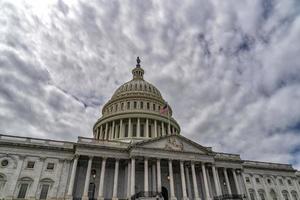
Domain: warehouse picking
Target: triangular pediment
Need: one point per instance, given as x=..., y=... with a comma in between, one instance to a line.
x=174, y=143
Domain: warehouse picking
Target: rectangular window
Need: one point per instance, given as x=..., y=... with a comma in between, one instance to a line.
x=44, y=192
x=128, y=105
x=122, y=106
x=126, y=130
x=154, y=107
x=134, y=130
x=142, y=105
x=289, y=182
x=148, y=105
x=269, y=181
x=257, y=180
x=149, y=129
x=142, y=130
x=134, y=104
x=30, y=164
x=23, y=190
x=50, y=166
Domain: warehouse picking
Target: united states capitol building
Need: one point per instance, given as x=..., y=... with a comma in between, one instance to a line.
x=136, y=152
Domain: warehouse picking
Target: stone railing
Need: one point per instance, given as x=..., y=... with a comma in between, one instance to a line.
x=230, y=197
x=35, y=141
x=226, y=156
x=258, y=164
x=147, y=195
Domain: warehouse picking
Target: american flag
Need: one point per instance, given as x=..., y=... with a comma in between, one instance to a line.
x=164, y=109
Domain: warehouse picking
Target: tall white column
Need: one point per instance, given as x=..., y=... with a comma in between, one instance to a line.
x=158, y=175
x=236, y=182
x=207, y=195
x=169, y=128
x=172, y=192
x=132, y=182
x=101, y=133
x=265, y=188
x=163, y=128
x=227, y=181
x=188, y=182
x=129, y=180
x=106, y=131
x=255, y=187
x=129, y=128
x=183, y=184
x=153, y=178
x=138, y=127
x=121, y=129
x=115, y=189
x=113, y=131
x=146, y=179
x=147, y=128
x=72, y=178
x=216, y=180
x=155, y=128
x=101, y=184
x=87, y=179
x=196, y=193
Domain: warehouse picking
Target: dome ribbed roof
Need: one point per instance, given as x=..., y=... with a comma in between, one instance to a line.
x=136, y=87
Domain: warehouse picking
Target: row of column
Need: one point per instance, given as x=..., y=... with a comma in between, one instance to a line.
x=109, y=132
x=131, y=181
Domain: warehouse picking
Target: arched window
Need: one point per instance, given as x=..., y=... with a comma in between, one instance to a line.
x=262, y=195
x=45, y=186
x=273, y=194
x=2, y=181
x=23, y=186
x=294, y=195
x=252, y=194
x=285, y=195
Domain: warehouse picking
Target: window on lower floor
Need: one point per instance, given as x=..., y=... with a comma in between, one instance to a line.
x=44, y=191
x=294, y=195
x=22, y=191
x=262, y=196
x=285, y=195
x=252, y=195
x=247, y=180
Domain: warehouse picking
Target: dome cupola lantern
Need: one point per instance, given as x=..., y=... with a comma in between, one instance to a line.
x=138, y=72
x=135, y=112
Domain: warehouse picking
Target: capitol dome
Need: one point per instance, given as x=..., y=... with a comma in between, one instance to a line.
x=135, y=112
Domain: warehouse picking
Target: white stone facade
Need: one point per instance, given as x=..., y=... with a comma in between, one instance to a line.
x=137, y=153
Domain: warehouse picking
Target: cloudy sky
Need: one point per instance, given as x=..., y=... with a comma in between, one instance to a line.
x=230, y=69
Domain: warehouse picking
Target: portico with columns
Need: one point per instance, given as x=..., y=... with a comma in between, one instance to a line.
x=168, y=167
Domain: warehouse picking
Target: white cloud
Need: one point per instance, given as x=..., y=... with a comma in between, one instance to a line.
x=235, y=63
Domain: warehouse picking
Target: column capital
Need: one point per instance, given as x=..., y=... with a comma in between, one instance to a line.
x=91, y=157
x=104, y=158
x=76, y=156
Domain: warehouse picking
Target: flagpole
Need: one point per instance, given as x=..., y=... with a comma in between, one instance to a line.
x=169, y=127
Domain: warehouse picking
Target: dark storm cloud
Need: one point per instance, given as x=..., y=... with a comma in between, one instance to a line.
x=229, y=69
